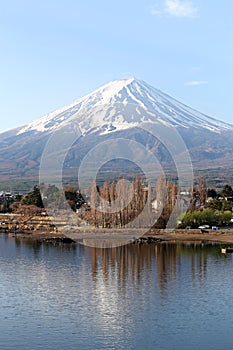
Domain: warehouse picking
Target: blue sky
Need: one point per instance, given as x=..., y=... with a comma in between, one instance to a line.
x=53, y=52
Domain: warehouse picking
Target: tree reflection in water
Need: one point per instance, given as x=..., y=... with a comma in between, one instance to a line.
x=134, y=262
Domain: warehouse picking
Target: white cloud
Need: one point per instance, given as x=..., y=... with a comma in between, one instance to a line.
x=176, y=8
x=196, y=83
x=179, y=8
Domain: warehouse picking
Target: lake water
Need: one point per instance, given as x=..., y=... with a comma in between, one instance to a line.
x=132, y=297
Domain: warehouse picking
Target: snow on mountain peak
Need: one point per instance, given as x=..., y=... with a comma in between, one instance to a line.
x=123, y=104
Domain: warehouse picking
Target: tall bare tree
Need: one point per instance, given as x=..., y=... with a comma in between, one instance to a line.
x=94, y=201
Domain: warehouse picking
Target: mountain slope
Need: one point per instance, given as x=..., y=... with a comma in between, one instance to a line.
x=112, y=101
x=118, y=109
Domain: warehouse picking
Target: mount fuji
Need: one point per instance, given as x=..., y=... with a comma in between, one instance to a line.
x=118, y=109
x=153, y=106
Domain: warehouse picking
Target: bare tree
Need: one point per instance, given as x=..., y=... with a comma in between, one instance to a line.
x=104, y=204
x=94, y=201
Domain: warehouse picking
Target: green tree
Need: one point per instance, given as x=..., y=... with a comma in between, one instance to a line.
x=5, y=206
x=224, y=218
x=211, y=192
x=215, y=204
x=34, y=198
x=74, y=197
x=219, y=204
x=206, y=217
x=227, y=191
x=18, y=197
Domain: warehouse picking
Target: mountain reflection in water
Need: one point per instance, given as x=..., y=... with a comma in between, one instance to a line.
x=130, y=297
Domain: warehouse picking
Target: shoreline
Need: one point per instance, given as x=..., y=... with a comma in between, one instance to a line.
x=158, y=236
x=43, y=230
x=221, y=236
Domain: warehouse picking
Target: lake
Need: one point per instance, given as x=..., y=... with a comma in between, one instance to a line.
x=164, y=296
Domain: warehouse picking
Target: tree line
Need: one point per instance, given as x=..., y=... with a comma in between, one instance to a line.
x=132, y=203
x=120, y=204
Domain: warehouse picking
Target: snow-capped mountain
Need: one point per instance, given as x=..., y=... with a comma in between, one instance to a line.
x=123, y=104
x=115, y=110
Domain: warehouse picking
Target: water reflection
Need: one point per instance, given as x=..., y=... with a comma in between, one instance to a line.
x=160, y=264
x=130, y=297
x=166, y=260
